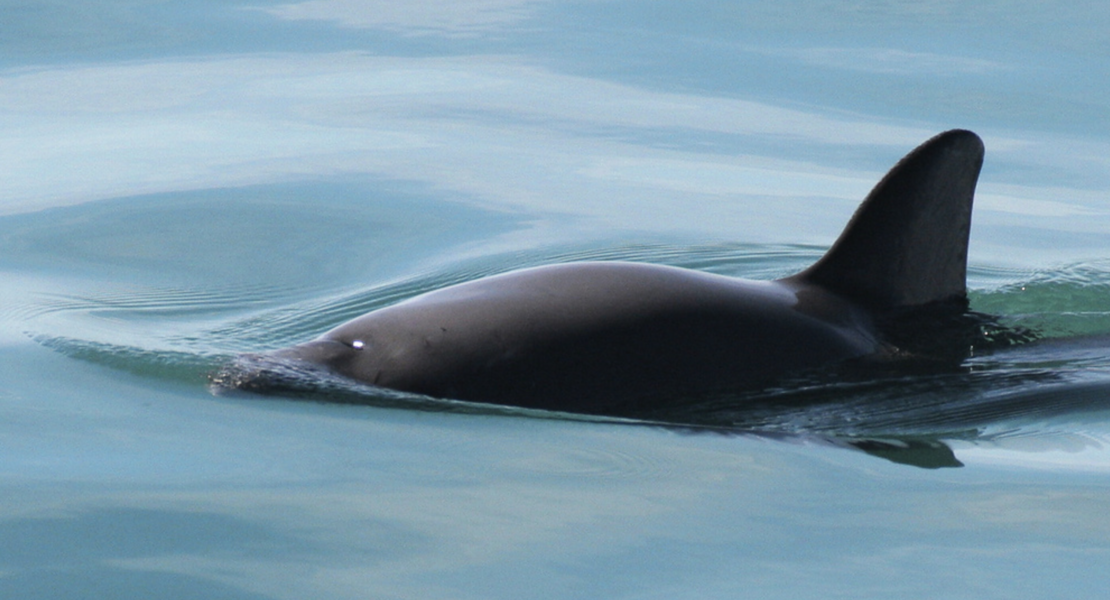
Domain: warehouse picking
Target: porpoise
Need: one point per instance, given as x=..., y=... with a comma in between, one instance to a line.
x=607, y=337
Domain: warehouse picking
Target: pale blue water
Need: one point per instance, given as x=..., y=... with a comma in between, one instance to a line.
x=180, y=182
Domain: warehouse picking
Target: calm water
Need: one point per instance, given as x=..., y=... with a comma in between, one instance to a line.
x=185, y=181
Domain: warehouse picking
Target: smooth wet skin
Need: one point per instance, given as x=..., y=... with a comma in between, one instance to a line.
x=609, y=337
x=588, y=337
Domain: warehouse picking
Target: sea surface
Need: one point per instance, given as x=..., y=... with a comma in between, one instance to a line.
x=182, y=182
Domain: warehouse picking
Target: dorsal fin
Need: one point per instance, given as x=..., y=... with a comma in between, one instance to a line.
x=907, y=243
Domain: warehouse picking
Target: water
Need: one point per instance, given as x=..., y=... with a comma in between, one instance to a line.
x=183, y=182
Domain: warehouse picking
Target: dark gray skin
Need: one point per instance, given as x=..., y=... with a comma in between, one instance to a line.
x=607, y=337
x=591, y=336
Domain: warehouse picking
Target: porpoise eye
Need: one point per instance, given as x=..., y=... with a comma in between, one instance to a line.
x=358, y=344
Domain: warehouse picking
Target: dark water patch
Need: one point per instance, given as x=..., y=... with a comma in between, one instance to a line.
x=1086, y=353
x=1066, y=300
x=940, y=406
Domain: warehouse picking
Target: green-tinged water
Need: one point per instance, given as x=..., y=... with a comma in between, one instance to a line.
x=182, y=183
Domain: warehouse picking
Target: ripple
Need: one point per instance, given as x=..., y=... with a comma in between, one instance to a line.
x=1067, y=300
x=166, y=365
x=163, y=302
x=295, y=322
x=185, y=334
x=741, y=260
x=1072, y=445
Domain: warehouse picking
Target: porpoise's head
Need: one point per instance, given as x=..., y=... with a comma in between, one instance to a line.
x=304, y=367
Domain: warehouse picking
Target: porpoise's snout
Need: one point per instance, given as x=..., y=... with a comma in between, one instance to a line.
x=291, y=368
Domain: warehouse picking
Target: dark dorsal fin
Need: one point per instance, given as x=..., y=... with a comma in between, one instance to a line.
x=907, y=243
